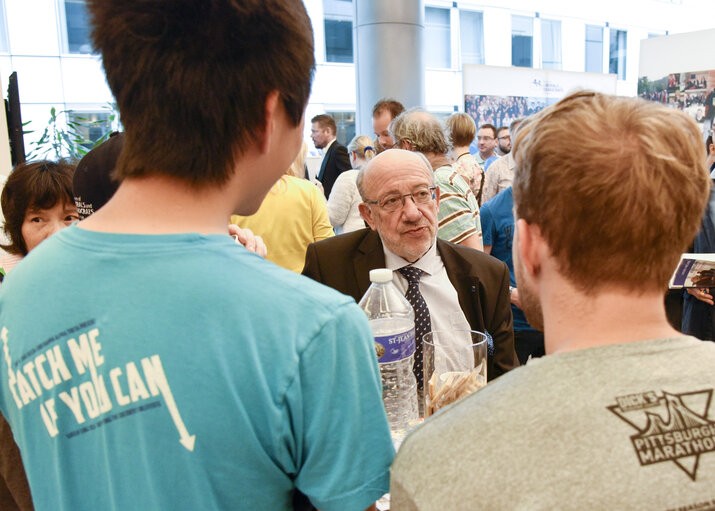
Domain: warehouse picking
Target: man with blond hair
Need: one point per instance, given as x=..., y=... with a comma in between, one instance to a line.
x=619, y=413
x=418, y=131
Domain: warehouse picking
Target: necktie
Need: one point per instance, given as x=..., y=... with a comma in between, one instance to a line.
x=423, y=323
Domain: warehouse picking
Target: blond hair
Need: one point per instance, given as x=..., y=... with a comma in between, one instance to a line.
x=297, y=168
x=616, y=185
x=461, y=129
x=362, y=146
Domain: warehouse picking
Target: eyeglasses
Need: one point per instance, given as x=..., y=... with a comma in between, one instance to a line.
x=396, y=201
x=505, y=137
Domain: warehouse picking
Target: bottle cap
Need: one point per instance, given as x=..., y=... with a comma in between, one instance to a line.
x=381, y=275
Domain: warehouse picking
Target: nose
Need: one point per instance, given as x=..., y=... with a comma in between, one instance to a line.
x=410, y=210
x=53, y=227
x=386, y=141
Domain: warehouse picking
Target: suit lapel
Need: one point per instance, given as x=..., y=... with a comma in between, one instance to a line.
x=465, y=283
x=325, y=161
x=368, y=257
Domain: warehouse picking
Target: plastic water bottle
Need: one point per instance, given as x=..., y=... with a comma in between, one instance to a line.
x=392, y=320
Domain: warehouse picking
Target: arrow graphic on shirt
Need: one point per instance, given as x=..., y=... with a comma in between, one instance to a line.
x=153, y=365
x=186, y=440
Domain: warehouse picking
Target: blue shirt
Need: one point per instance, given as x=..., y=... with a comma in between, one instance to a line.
x=498, y=231
x=182, y=372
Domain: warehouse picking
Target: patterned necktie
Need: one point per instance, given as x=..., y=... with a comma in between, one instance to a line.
x=423, y=323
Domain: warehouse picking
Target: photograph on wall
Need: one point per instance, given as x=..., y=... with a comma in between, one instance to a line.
x=502, y=110
x=692, y=92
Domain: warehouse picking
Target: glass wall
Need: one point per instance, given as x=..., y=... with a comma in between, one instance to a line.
x=550, y=44
x=522, y=41
x=594, y=49
x=338, y=30
x=437, y=38
x=617, y=54
x=471, y=36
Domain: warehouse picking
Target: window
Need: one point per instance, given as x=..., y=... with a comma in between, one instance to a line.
x=550, y=44
x=617, y=54
x=437, y=38
x=471, y=36
x=4, y=45
x=345, y=122
x=338, y=30
x=90, y=125
x=522, y=41
x=77, y=24
x=594, y=49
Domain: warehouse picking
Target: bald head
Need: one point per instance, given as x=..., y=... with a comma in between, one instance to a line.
x=386, y=162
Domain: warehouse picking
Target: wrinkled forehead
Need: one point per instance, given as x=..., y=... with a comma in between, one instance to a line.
x=395, y=169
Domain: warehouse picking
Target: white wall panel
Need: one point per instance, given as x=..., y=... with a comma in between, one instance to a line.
x=39, y=78
x=33, y=27
x=83, y=81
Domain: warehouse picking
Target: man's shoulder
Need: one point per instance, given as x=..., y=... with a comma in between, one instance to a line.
x=447, y=176
x=345, y=242
x=501, y=204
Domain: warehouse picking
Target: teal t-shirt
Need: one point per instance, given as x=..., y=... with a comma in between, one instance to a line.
x=183, y=372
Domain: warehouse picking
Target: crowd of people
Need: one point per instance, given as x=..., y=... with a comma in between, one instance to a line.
x=194, y=341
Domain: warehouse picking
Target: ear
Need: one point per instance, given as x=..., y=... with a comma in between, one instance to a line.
x=271, y=112
x=404, y=144
x=366, y=214
x=436, y=196
x=529, y=244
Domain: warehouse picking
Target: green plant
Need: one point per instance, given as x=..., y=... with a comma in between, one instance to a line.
x=66, y=135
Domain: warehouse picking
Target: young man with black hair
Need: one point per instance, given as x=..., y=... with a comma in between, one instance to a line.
x=170, y=368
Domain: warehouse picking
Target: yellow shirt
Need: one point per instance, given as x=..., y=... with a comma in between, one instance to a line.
x=292, y=215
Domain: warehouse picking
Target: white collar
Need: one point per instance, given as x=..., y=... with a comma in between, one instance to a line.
x=327, y=146
x=428, y=263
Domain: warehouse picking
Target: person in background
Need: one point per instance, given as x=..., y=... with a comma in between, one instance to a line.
x=292, y=215
x=323, y=131
x=618, y=414
x=461, y=130
x=419, y=131
x=501, y=172
x=487, y=144
x=345, y=199
x=383, y=113
x=36, y=203
x=503, y=141
x=94, y=182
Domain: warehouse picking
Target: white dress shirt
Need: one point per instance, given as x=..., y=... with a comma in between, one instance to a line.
x=435, y=286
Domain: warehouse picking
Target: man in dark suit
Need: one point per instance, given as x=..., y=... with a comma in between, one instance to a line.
x=462, y=287
x=335, y=156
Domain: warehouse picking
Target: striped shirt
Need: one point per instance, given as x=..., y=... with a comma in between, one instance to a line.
x=458, y=216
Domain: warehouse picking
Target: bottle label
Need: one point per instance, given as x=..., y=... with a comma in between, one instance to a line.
x=391, y=348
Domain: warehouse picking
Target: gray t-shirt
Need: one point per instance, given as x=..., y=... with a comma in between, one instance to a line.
x=626, y=426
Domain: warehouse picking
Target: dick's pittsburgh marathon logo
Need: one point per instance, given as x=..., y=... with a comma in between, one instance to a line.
x=671, y=427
